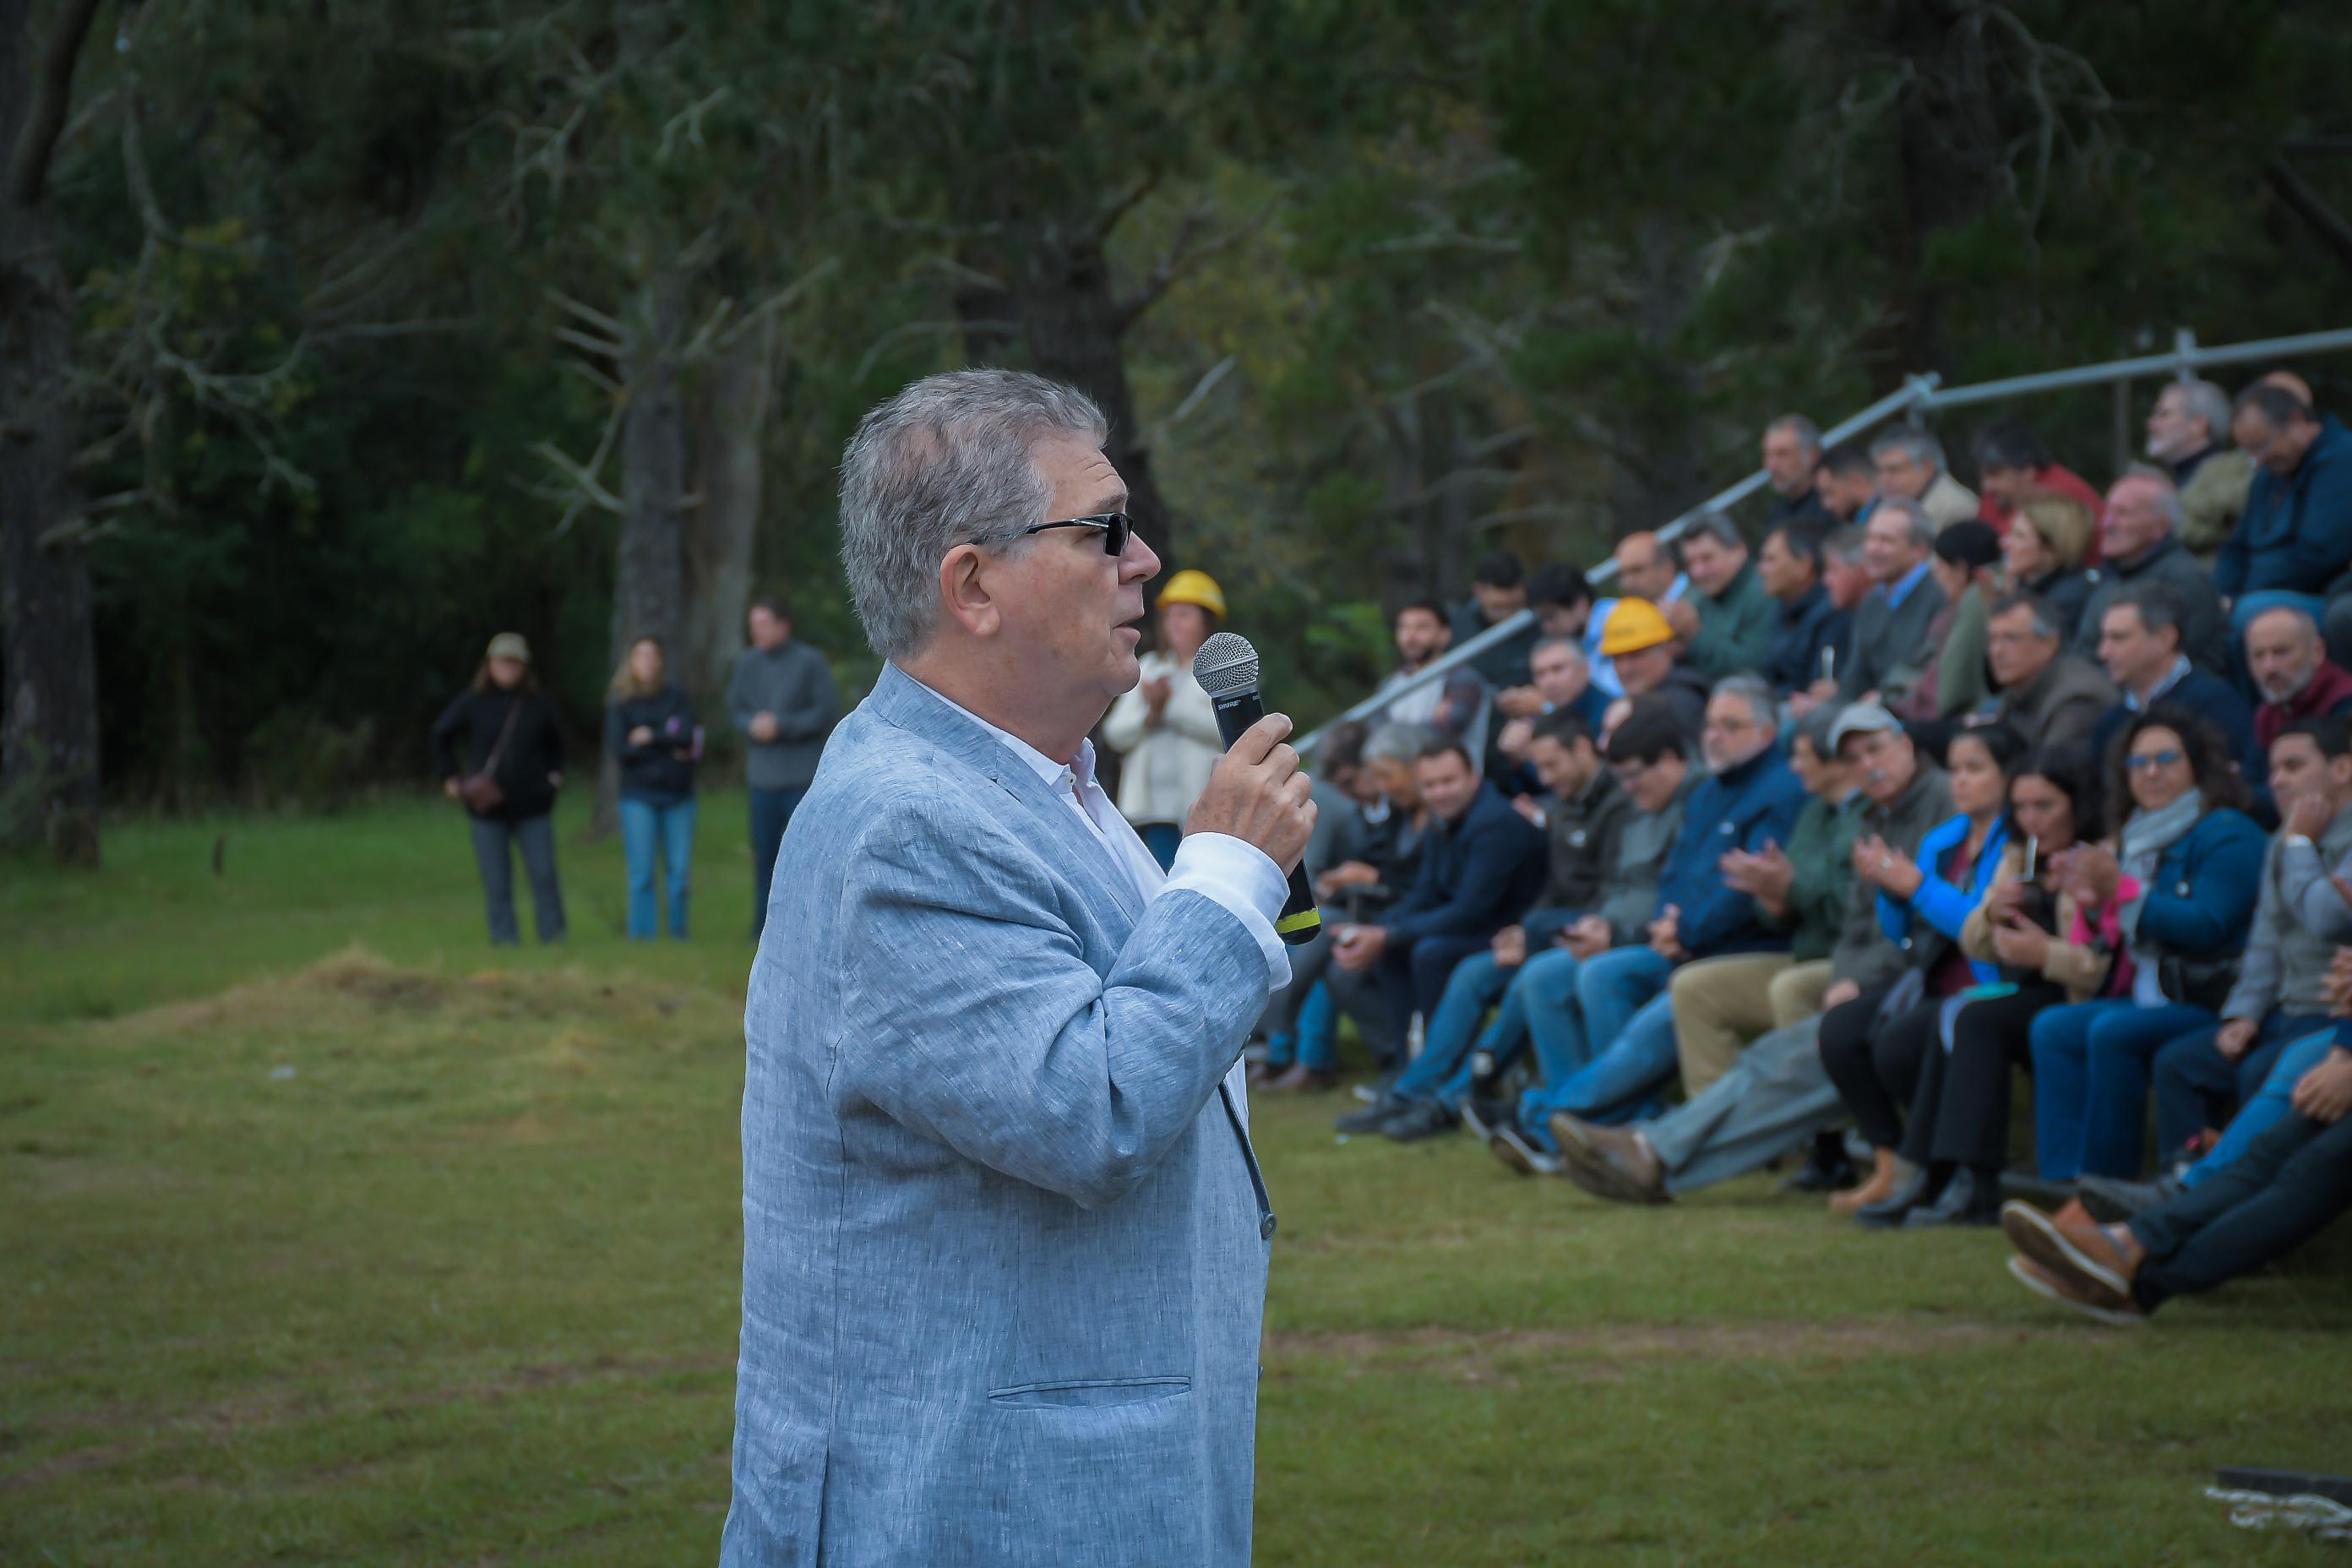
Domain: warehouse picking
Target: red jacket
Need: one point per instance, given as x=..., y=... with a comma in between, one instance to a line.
x=2065, y=481
x=2329, y=693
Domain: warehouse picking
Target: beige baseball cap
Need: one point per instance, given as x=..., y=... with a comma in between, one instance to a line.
x=509, y=644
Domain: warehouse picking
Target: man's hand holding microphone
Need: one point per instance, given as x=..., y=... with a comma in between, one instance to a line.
x=1256, y=794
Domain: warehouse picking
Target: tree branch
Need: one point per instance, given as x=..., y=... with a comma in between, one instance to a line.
x=28, y=169
x=1182, y=257
x=2307, y=205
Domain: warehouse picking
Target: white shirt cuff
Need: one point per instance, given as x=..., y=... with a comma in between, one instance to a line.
x=1243, y=880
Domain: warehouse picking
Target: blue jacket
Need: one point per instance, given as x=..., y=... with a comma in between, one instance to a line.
x=1003, y=1235
x=1942, y=906
x=2202, y=899
x=2296, y=532
x=1742, y=809
x=1476, y=874
x=1801, y=634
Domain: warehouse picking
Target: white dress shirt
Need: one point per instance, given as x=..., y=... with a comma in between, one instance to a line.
x=1232, y=873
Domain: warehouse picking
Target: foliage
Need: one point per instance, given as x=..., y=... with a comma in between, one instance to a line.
x=357, y=285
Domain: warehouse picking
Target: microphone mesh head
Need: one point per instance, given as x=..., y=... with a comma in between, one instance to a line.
x=1226, y=664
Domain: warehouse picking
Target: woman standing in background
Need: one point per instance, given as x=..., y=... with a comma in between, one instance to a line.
x=649, y=730
x=512, y=764
x=1166, y=729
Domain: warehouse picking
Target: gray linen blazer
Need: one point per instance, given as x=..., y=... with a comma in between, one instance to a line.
x=1006, y=1241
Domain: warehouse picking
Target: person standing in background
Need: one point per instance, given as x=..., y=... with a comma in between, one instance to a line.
x=1165, y=728
x=782, y=698
x=649, y=730
x=512, y=766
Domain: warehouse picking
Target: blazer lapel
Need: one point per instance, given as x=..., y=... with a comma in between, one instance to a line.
x=899, y=699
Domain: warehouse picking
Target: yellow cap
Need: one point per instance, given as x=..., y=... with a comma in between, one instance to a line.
x=1192, y=587
x=1634, y=624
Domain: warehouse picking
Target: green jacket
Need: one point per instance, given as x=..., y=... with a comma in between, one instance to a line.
x=2211, y=501
x=1734, y=630
x=1862, y=954
x=1962, y=683
x=1821, y=853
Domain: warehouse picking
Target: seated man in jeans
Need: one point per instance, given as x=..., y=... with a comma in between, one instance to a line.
x=1622, y=1006
x=1586, y=814
x=2292, y=1180
x=2299, y=918
x=1482, y=864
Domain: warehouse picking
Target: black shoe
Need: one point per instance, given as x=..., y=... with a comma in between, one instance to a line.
x=1421, y=1120
x=1486, y=1118
x=1888, y=1214
x=1970, y=1197
x=1826, y=1170
x=2026, y=1187
x=1383, y=1110
x=2112, y=1200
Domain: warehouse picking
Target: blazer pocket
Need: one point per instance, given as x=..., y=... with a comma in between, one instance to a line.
x=1088, y=1394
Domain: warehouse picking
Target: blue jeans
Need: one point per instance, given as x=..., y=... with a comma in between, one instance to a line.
x=1442, y=1072
x=651, y=825
x=2266, y=1108
x=2091, y=1067
x=2197, y=1087
x=772, y=813
x=1314, y=1039
x=1545, y=1001
x=495, y=841
x=1623, y=1000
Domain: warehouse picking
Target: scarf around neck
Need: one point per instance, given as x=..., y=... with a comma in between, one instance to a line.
x=2148, y=834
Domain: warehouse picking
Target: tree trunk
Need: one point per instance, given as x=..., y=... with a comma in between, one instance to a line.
x=48, y=737
x=731, y=426
x=1072, y=319
x=649, y=577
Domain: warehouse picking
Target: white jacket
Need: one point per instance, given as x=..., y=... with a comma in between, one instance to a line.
x=1165, y=769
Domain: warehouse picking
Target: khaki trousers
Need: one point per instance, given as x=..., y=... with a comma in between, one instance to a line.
x=1721, y=1004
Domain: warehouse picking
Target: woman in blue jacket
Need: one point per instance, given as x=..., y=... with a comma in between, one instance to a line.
x=2187, y=865
x=1874, y=1049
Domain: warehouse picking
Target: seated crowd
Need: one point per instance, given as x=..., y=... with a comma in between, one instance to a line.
x=1811, y=849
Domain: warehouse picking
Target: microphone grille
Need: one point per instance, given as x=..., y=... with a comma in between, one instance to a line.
x=1226, y=664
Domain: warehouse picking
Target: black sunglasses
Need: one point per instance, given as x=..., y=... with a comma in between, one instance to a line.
x=1116, y=529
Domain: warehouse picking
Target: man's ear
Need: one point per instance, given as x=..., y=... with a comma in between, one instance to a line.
x=969, y=602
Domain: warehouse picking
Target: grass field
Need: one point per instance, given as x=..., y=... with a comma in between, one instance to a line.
x=327, y=1235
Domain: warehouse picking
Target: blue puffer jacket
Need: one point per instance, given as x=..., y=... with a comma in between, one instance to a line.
x=1743, y=808
x=2295, y=533
x=1942, y=906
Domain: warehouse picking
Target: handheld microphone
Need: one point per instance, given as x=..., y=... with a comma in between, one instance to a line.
x=1226, y=667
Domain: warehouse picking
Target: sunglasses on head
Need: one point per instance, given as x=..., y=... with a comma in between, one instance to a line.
x=1116, y=529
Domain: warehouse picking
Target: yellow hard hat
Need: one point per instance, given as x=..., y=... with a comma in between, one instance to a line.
x=1192, y=587
x=1634, y=624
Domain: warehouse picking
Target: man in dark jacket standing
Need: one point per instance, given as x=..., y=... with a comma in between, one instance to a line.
x=782, y=698
x=1484, y=865
x=2295, y=537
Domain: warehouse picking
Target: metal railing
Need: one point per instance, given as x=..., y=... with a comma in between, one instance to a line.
x=1918, y=394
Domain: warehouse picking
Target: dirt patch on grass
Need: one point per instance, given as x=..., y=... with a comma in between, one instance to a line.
x=1613, y=1350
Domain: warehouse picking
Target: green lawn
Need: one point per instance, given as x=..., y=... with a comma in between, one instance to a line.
x=327, y=1236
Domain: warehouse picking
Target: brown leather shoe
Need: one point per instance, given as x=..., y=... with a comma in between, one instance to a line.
x=2079, y=1254
x=1608, y=1162
x=2051, y=1285
x=1303, y=1080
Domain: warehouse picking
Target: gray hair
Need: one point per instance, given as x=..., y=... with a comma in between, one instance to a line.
x=946, y=462
x=1399, y=743
x=1573, y=646
x=1763, y=706
x=1844, y=545
x=2167, y=494
x=2044, y=618
x=1923, y=527
x=1715, y=526
x=1808, y=433
x=2302, y=617
x=1920, y=444
x=2203, y=400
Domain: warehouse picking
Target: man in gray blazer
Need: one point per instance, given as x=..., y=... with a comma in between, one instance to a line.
x=1005, y=1239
